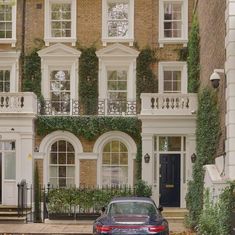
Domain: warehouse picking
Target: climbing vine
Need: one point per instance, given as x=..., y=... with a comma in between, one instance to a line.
x=207, y=136
x=32, y=71
x=146, y=81
x=88, y=80
x=193, y=57
x=91, y=127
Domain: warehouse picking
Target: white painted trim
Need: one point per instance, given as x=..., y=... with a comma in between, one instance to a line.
x=124, y=138
x=173, y=65
x=117, y=56
x=184, y=39
x=10, y=61
x=45, y=145
x=47, y=25
x=12, y=40
x=53, y=58
x=130, y=38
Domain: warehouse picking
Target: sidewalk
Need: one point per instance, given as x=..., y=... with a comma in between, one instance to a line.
x=62, y=227
x=44, y=228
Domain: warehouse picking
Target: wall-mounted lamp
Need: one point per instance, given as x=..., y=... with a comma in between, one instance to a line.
x=193, y=158
x=215, y=77
x=146, y=158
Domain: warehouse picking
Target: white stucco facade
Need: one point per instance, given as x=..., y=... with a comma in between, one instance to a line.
x=170, y=123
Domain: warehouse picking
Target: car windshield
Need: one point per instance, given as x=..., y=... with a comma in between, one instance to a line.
x=130, y=207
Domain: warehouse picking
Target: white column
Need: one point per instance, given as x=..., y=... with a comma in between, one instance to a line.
x=147, y=168
x=230, y=91
x=26, y=158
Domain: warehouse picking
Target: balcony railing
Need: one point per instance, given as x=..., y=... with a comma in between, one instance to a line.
x=168, y=104
x=20, y=102
x=74, y=108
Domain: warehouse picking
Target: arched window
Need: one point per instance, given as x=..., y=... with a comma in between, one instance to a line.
x=115, y=164
x=62, y=164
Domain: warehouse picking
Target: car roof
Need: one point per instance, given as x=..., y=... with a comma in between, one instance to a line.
x=147, y=199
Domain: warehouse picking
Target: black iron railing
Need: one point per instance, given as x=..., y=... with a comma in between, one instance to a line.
x=105, y=107
x=25, y=200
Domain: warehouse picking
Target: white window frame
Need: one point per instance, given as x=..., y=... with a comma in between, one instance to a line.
x=115, y=136
x=105, y=38
x=47, y=25
x=184, y=34
x=11, y=40
x=44, y=150
x=117, y=56
x=59, y=57
x=10, y=61
x=173, y=66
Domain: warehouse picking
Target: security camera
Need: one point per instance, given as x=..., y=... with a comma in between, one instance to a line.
x=215, y=79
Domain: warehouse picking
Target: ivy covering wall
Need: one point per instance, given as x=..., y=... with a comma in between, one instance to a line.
x=146, y=81
x=88, y=80
x=91, y=127
x=193, y=59
x=207, y=136
x=32, y=73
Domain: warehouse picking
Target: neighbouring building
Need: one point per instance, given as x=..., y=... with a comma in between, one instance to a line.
x=119, y=30
x=217, y=24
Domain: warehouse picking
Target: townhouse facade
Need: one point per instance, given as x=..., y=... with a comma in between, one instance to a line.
x=119, y=30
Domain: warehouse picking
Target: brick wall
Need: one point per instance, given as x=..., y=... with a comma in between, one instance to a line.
x=211, y=15
x=88, y=172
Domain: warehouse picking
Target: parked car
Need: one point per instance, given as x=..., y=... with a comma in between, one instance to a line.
x=129, y=216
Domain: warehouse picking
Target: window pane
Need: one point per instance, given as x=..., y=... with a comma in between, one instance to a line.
x=62, y=171
x=62, y=145
x=53, y=158
x=107, y=147
x=10, y=166
x=54, y=182
x=62, y=182
x=54, y=171
x=115, y=146
x=9, y=145
x=106, y=158
x=62, y=158
x=70, y=171
x=123, y=158
x=70, y=158
x=115, y=159
x=167, y=143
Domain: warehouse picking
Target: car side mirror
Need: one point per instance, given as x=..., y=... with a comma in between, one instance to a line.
x=160, y=208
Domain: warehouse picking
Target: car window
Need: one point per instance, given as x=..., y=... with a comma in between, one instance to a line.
x=140, y=208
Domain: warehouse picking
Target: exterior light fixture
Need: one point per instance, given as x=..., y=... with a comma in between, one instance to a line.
x=146, y=158
x=215, y=77
x=193, y=158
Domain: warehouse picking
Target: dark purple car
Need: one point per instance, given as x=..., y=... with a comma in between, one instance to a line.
x=131, y=216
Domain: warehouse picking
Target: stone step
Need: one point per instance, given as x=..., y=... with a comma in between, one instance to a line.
x=12, y=219
x=174, y=212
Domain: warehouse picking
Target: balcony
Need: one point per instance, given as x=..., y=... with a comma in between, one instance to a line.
x=18, y=103
x=168, y=104
x=75, y=108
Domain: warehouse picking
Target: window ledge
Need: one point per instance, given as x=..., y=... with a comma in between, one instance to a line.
x=8, y=41
x=173, y=41
x=52, y=40
x=107, y=40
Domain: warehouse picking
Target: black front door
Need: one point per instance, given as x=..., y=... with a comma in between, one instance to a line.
x=170, y=180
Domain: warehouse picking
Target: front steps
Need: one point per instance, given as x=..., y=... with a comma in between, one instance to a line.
x=9, y=214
